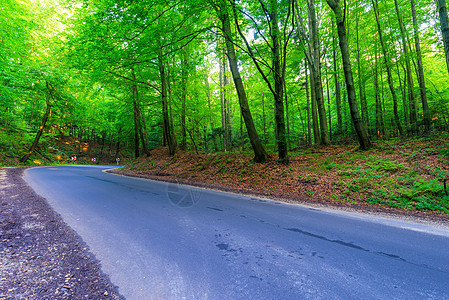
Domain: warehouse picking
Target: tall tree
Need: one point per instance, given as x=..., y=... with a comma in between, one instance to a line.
x=316, y=72
x=444, y=24
x=387, y=67
x=359, y=126
x=277, y=44
x=222, y=10
x=421, y=80
x=49, y=97
x=410, y=86
x=337, y=84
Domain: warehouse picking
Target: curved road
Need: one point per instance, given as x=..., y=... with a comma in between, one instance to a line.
x=165, y=241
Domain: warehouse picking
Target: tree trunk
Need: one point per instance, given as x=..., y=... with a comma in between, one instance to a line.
x=278, y=85
x=421, y=81
x=404, y=96
x=410, y=86
x=387, y=66
x=361, y=80
x=337, y=86
x=444, y=24
x=359, y=127
x=166, y=119
x=259, y=151
x=315, y=123
x=309, y=125
x=264, y=118
x=184, y=78
x=223, y=105
x=138, y=115
x=316, y=72
x=380, y=128
x=41, y=128
x=212, y=126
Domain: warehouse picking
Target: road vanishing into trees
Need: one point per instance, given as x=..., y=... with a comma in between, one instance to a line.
x=160, y=240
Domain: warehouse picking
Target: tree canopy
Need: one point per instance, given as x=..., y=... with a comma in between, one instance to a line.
x=266, y=76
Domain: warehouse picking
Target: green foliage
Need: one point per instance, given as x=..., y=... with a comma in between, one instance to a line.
x=382, y=164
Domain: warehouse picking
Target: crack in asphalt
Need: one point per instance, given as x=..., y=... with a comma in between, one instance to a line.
x=353, y=246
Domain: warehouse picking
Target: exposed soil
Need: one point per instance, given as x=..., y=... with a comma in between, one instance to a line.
x=40, y=256
x=307, y=179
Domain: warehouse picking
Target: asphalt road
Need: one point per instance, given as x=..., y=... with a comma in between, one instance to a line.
x=165, y=241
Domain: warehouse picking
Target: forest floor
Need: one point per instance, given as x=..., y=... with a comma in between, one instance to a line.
x=399, y=177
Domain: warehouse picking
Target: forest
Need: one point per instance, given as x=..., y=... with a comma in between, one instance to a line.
x=266, y=77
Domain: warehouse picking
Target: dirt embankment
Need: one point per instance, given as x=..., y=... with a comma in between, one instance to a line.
x=339, y=177
x=40, y=256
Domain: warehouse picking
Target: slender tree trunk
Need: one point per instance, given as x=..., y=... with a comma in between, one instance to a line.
x=184, y=80
x=318, y=86
x=444, y=24
x=278, y=85
x=227, y=100
x=315, y=123
x=165, y=114
x=264, y=118
x=421, y=80
x=309, y=125
x=212, y=126
x=223, y=105
x=410, y=86
x=387, y=66
x=138, y=115
x=170, y=106
x=379, y=121
x=259, y=151
x=287, y=115
x=337, y=86
x=359, y=126
x=42, y=127
x=361, y=80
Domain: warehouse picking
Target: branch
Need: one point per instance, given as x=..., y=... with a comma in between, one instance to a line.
x=136, y=81
x=302, y=39
x=250, y=51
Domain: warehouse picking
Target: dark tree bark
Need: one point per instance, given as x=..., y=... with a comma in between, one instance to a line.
x=444, y=24
x=264, y=117
x=359, y=127
x=276, y=69
x=421, y=81
x=337, y=86
x=387, y=66
x=223, y=105
x=42, y=126
x=361, y=80
x=169, y=135
x=211, y=118
x=410, y=86
x=138, y=119
x=184, y=79
x=309, y=125
x=316, y=73
x=260, y=155
x=279, y=82
x=404, y=96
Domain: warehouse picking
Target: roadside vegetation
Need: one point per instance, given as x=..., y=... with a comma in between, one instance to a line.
x=52, y=149
x=407, y=174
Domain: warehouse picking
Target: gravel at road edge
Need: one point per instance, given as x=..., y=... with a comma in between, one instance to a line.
x=41, y=257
